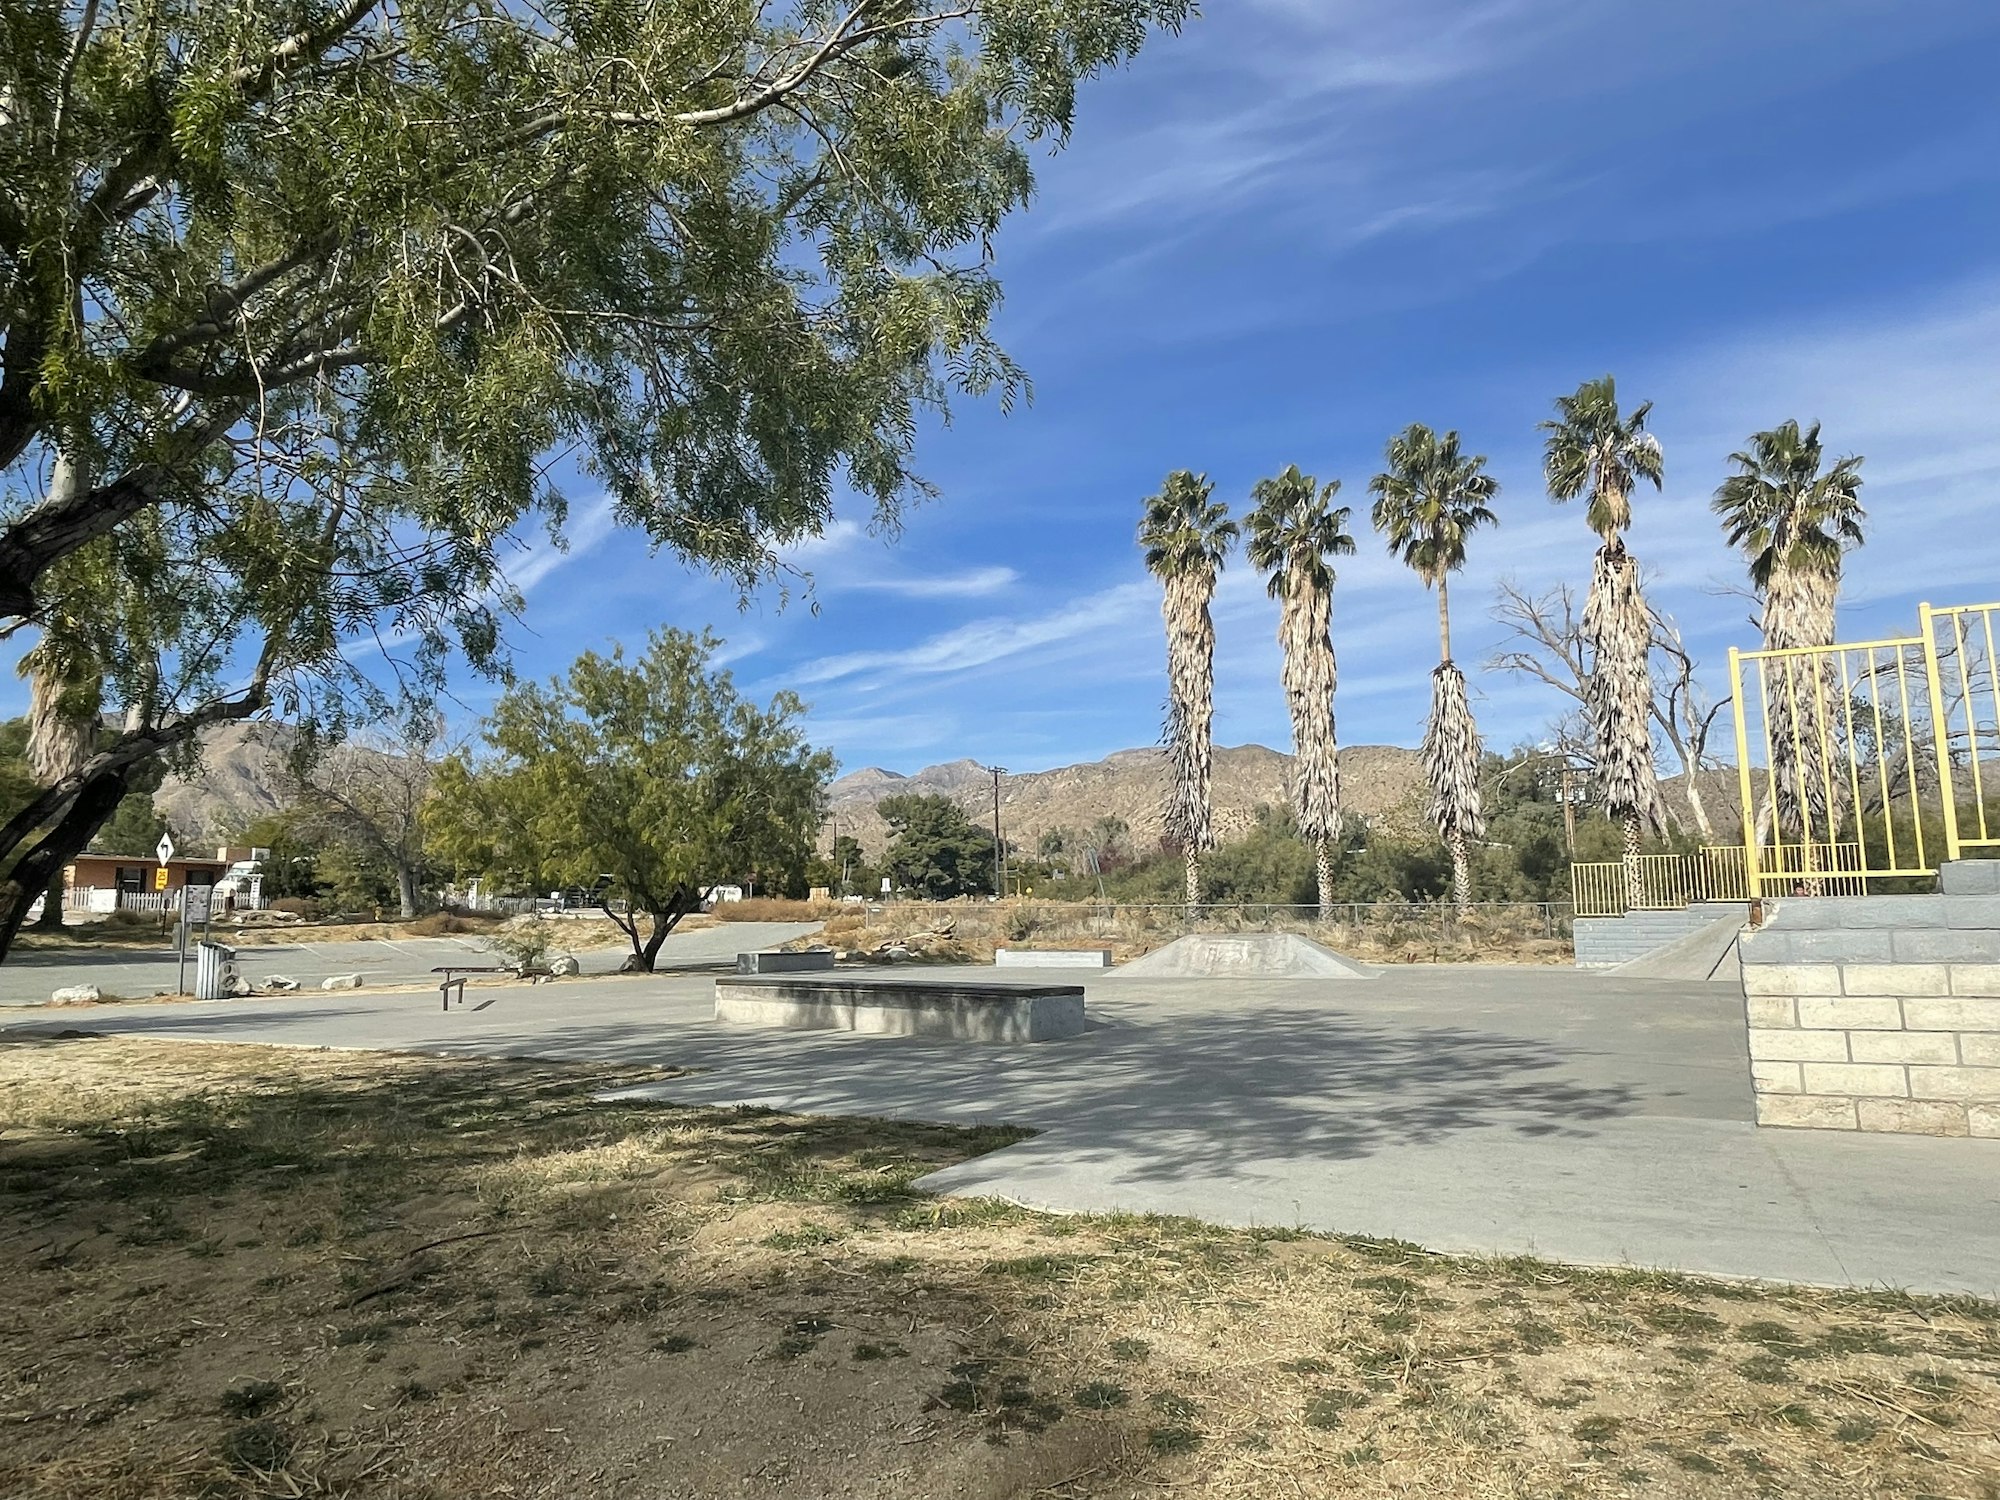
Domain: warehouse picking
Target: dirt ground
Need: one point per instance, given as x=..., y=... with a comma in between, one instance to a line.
x=242, y=1271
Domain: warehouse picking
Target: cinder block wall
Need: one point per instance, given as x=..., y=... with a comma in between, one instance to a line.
x=1880, y=1012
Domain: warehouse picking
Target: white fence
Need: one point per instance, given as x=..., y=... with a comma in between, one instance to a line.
x=103, y=899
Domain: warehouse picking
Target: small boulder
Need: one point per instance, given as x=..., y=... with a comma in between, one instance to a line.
x=280, y=982
x=236, y=987
x=565, y=967
x=77, y=994
x=633, y=965
x=341, y=982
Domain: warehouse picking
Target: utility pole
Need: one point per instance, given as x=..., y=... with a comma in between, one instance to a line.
x=999, y=857
x=1569, y=806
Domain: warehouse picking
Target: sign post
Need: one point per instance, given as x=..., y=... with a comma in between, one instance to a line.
x=165, y=850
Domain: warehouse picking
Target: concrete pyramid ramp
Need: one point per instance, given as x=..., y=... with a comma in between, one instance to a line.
x=1706, y=953
x=1244, y=955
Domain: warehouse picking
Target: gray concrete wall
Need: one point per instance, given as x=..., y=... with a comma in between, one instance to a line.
x=1604, y=941
x=887, y=1007
x=1052, y=958
x=1880, y=1013
x=783, y=963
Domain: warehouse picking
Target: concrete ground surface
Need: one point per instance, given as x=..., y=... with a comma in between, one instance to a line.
x=29, y=977
x=1567, y=1114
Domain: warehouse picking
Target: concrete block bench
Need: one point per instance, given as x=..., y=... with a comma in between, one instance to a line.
x=1052, y=958
x=961, y=1012
x=783, y=963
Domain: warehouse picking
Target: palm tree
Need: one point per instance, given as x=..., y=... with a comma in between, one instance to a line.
x=1186, y=535
x=1794, y=525
x=1293, y=531
x=1430, y=498
x=1592, y=447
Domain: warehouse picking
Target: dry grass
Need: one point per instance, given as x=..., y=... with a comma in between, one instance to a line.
x=769, y=909
x=1131, y=932
x=252, y=1272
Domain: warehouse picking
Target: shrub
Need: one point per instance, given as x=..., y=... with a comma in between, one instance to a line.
x=524, y=944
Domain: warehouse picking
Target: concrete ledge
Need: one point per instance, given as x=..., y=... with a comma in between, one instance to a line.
x=1052, y=958
x=783, y=963
x=1970, y=877
x=960, y=1012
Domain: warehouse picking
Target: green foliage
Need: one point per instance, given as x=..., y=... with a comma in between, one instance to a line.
x=17, y=784
x=653, y=771
x=134, y=828
x=304, y=297
x=1592, y=446
x=849, y=871
x=293, y=868
x=937, y=850
x=526, y=944
x=1429, y=499
x=1784, y=512
x=1522, y=858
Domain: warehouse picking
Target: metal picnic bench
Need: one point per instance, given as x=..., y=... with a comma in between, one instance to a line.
x=446, y=985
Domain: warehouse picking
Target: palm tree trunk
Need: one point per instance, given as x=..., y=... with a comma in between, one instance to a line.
x=1635, y=885
x=1323, y=868
x=1451, y=755
x=1193, y=878
x=1618, y=695
x=1444, y=618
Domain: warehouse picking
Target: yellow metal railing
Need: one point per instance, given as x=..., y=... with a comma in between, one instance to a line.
x=1667, y=882
x=1715, y=872
x=1963, y=678
x=1874, y=755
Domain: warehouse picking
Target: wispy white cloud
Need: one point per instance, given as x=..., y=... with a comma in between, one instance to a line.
x=984, y=642
x=587, y=527
x=974, y=583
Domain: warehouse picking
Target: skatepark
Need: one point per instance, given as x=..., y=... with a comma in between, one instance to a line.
x=1592, y=1117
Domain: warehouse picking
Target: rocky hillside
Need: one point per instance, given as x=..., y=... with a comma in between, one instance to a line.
x=1380, y=782
x=239, y=781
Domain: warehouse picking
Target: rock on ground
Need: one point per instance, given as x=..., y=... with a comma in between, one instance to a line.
x=565, y=967
x=278, y=982
x=341, y=982
x=76, y=994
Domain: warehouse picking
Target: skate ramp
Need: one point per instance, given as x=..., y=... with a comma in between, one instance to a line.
x=1244, y=955
x=1706, y=953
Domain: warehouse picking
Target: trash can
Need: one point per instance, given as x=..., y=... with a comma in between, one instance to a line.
x=214, y=971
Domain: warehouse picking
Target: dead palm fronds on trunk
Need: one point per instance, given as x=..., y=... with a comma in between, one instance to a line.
x=1427, y=502
x=1794, y=525
x=1592, y=448
x=1186, y=535
x=1293, y=532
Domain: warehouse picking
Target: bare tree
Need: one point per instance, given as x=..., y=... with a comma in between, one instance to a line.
x=1544, y=642
x=369, y=793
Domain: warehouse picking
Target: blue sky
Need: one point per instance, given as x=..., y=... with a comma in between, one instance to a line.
x=1306, y=223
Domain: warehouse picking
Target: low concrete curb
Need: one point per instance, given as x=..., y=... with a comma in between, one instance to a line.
x=958, y=1012
x=1051, y=958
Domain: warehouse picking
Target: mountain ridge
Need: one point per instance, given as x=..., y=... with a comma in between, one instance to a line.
x=1382, y=783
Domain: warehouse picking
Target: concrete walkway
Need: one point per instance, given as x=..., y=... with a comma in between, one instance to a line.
x=1490, y=1110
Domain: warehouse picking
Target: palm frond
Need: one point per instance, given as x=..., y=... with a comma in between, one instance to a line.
x=1430, y=498
x=1591, y=446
